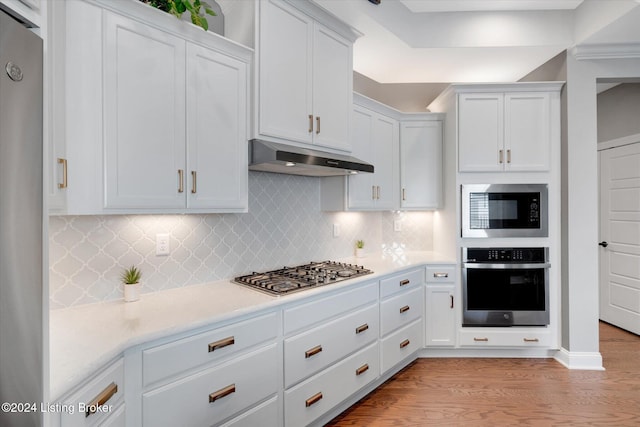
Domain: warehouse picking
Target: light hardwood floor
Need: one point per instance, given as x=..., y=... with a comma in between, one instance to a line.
x=507, y=392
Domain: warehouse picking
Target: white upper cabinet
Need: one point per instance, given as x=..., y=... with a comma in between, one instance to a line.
x=504, y=131
x=144, y=97
x=304, y=68
x=375, y=140
x=421, y=164
x=153, y=113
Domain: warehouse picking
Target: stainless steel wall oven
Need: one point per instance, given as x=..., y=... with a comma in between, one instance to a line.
x=505, y=286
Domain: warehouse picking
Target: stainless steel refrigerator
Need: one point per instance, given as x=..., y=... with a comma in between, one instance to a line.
x=21, y=224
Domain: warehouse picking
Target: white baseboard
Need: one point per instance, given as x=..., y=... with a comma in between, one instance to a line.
x=591, y=361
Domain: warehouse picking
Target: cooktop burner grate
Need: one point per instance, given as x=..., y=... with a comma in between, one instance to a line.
x=294, y=279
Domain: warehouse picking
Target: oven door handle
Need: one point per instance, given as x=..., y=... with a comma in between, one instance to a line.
x=481, y=266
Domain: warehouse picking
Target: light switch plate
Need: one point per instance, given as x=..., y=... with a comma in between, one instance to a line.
x=397, y=225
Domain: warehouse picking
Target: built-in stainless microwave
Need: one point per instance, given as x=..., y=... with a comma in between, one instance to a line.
x=504, y=210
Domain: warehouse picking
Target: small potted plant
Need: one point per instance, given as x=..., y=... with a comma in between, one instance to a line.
x=131, y=280
x=359, y=248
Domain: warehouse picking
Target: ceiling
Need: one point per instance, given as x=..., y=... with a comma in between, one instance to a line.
x=453, y=41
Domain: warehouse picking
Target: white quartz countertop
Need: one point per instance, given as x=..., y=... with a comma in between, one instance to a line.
x=84, y=338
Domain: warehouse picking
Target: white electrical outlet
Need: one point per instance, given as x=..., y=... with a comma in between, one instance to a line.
x=336, y=230
x=397, y=225
x=162, y=244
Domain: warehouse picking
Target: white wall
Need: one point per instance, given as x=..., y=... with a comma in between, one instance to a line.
x=618, y=110
x=581, y=214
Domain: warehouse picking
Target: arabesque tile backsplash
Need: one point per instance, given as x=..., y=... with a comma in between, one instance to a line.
x=284, y=226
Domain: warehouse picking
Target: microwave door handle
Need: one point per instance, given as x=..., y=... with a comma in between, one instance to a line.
x=478, y=266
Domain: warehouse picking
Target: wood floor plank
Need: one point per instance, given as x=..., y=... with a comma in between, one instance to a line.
x=507, y=392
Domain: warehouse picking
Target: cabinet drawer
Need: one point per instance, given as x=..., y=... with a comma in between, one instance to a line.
x=441, y=274
x=169, y=359
x=214, y=394
x=401, y=344
x=506, y=338
x=316, y=311
x=107, y=389
x=400, y=310
x=267, y=414
x=401, y=282
x=314, y=350
x=306, y=402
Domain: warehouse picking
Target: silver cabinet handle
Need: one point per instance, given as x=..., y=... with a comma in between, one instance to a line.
x=222, y=393
x=378, y=193
x=194, y=178
x=221, y=343
x=501, y=156
x=317, y=125
x=373, y=192
x=101, y=399
x=440, y=275
x=404, y=195
x=63, y=184
x=531, y=340
x=310, y=123
x=508, y=156
x=480, y=339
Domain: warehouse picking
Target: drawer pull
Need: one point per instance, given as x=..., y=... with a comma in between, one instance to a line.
x=312, y=351
x=531, y=340
x=440, y=275
x=405, y=282
x=362, y=369
x=360, y=329
x=404, y=309
x=101, y=399
x=222, y=393
x=313, y=399
x=404, y=343
x=480, y=339
x=221, y=343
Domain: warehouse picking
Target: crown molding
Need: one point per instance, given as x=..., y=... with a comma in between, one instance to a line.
x=587, y=52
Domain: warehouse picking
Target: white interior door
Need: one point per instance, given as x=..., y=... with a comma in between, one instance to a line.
x=620, y=236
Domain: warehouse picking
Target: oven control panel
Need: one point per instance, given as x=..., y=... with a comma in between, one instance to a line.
x=505, y=255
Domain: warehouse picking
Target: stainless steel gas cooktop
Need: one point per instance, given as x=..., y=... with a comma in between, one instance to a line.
x=293, y=279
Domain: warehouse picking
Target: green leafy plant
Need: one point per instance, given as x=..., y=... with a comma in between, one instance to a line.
x=360, y=244
x=131, y=275
x=197, y=8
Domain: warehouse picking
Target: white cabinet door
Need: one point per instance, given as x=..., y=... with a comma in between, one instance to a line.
x=332, y=89
x=527, y=131
x=216, y=130
x=361, y=192
x=421, y=164
x=385, y=137
x=440, y=327
x=285, y=64
x=375, y=140
x=480, y=132
x=144, y=115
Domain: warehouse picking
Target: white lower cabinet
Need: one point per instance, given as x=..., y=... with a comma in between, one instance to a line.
x=100, y=401
x=440, y=306
x=505, y=337
x=311, y=399
x=401, y=344
x=314, y=350
x=215, y=394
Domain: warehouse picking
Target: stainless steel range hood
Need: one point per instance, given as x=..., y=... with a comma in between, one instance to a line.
x=269, y=156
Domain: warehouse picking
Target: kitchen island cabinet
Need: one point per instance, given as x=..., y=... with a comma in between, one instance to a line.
x=153, y=115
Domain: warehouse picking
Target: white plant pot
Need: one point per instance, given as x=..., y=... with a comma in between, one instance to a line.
x=132, y=292
x=359, y=252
